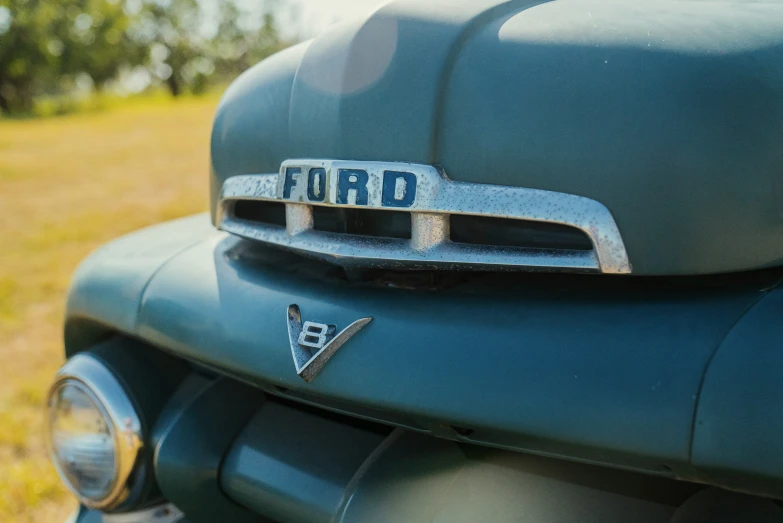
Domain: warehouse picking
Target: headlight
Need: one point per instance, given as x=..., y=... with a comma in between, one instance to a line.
x=94, y=432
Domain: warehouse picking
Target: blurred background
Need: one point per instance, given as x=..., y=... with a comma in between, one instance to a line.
x=105, y=112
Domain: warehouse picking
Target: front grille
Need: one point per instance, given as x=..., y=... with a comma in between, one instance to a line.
x=466, y=229
x=409, y=216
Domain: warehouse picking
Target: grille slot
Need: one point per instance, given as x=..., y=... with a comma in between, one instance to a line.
x=268, y=213
x=505, y=232
x=362, y=222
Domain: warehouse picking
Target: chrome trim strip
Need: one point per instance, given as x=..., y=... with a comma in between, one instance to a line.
x=436, y=198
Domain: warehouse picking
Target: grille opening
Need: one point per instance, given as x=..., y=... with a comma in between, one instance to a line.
x=363, y=222
x=271, y=213
x=505, y=232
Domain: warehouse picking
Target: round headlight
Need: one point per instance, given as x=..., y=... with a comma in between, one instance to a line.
x=94, y=432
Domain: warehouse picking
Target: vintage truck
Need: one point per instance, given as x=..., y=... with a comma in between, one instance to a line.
x=474, y=261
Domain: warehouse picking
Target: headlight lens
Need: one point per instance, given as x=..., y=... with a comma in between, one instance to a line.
x=83, y=443
x=94, y=432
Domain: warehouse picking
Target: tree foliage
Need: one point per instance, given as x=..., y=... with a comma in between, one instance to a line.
x=55, y=46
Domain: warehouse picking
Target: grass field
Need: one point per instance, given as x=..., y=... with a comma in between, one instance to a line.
x=68, y=184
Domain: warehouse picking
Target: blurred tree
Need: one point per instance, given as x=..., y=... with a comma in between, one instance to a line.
x=170, y=30
x=45, y=45
x=27, y=59
x=50, y=47
x=98, y=43
x=183, y=54
x=244, y=38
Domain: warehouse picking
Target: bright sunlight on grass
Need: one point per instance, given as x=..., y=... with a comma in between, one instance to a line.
x=68, y=184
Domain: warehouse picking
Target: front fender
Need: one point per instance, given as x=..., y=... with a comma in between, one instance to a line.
x=107, y=287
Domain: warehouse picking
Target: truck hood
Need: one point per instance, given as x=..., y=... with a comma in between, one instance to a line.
x=670, y=114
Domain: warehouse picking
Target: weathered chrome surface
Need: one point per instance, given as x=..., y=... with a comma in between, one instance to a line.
x=426, y=192
x=313, y=344
x=120, y=413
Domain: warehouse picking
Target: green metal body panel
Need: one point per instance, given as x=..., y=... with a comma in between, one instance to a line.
x=421, y=479
x=191, y=444
x=670, y=114
x=291, y=465
x=601, y=370
x=741, y=391
x=353, y=474
x=112, y=279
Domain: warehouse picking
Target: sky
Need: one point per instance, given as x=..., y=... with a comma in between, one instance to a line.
x=316, y=15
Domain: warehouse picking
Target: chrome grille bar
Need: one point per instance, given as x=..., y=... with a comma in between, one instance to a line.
x=436, y=197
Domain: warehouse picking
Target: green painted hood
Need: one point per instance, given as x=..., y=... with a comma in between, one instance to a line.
x=669, y=113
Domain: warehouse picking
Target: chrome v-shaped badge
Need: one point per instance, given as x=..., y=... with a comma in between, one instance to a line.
x=312, y=344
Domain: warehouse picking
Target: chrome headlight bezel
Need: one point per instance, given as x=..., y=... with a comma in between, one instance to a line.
x=101, y=385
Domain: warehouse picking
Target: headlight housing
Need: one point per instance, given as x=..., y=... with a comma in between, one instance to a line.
x=94, y=432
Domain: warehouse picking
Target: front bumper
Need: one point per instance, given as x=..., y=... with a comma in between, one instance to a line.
x=655, y=376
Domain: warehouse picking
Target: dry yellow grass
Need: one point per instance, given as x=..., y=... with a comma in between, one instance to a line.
x=67, y=185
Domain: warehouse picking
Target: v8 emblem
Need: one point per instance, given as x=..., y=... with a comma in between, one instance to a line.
x=312, y=344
